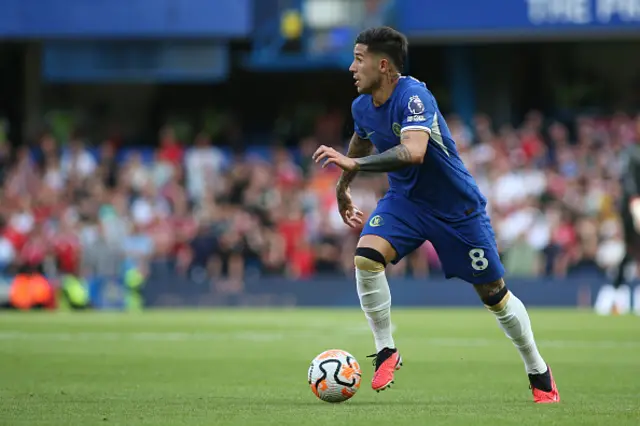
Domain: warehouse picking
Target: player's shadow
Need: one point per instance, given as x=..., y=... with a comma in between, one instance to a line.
x=355, y=403
x=384, y=403
x=256, y=402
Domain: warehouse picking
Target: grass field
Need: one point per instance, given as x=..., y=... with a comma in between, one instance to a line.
x=248, y=367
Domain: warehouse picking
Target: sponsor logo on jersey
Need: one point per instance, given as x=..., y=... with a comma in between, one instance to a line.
x=416, y=118
x=397, y=129
x=376, y=221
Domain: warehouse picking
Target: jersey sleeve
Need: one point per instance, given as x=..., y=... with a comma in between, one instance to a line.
x=361, y=133
x=417, y=110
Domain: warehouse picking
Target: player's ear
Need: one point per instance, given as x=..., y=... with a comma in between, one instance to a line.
x=383, y=64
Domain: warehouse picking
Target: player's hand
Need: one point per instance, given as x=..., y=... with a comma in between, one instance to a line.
x=351, y=215
x=334, y=157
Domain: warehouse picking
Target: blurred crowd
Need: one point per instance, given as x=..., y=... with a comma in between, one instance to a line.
x=553, y=189
x=89, y=208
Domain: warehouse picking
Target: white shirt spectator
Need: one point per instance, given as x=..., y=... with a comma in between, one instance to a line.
x=54, y=179
x=610, y=253
x=7, y=252
x=81, y=164
x=203, y=164
x=514, y=187
x=509, y=189
x=22, y=222
x=527, y=221
x=144, y=210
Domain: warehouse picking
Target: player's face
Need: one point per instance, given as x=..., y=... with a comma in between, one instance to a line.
x=365, y=69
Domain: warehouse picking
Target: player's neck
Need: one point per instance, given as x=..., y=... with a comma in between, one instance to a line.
x=383, y=93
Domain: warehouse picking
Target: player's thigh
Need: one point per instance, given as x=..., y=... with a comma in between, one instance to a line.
x=387, y=232
x=468, y=250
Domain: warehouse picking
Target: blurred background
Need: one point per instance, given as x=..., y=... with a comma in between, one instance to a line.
x=157, y=152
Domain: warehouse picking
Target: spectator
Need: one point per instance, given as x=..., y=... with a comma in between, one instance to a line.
x=552, y=200
x=204, y=163
x=77, y=162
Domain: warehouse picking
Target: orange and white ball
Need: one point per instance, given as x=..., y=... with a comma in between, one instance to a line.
x=334, y=375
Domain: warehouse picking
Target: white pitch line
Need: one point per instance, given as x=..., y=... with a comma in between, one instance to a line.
x=259, y=336
x=144, y=336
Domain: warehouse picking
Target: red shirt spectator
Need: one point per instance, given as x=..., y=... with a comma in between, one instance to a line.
x=15, y=237
x=292, y=230
x=565, y=235
x=302, y=261
x=33, y=252
x=171, y=150
x=66, y=248
x=532, y=146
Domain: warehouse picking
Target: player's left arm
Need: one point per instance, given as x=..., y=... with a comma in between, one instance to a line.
x=415, y=106
x=414, y=138
x=410, y=151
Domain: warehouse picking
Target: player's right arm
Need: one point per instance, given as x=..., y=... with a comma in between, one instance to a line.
x=358, y=147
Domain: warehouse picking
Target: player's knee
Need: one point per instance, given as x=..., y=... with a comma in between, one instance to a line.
x=370, y=260
x=494, y=295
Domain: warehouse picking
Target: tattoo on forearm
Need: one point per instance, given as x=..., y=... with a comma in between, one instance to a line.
x=395, y=158
x=358, y=148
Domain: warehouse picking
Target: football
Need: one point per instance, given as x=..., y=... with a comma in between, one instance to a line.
x=334, y=375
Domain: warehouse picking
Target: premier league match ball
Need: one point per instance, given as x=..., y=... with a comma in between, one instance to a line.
x=334, y=375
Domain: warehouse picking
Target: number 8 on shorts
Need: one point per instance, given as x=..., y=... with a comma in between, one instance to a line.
x=478, y=261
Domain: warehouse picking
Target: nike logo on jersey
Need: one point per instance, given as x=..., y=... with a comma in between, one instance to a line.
x=369, y=135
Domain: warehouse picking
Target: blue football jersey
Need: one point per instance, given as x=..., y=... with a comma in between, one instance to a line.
x=441, y=184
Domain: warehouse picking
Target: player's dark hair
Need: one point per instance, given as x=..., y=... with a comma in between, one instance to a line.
x=386, y=41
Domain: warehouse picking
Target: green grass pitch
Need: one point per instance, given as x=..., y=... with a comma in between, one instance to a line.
x=249, y=367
